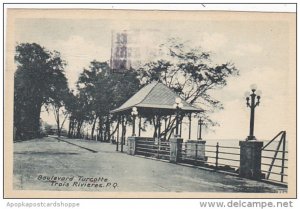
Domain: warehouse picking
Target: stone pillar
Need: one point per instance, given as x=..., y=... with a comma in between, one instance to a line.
x=131, y=147
x=250, y=159
x=175, y=149
x=195, y=149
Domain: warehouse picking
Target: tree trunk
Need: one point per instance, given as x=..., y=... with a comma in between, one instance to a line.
x=108, y=128
x=78, y=134
x=156, y=123
x=73, y=132
x=116, y=128
x=105, y=132
x=64, y=120
x=93, y=128
x=57, y=122
x=36, y=118
x=74, y=129
x=100, y=129
x=169, y=128
x=70, y=127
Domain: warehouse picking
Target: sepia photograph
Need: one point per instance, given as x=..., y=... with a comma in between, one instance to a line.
x=141, y=104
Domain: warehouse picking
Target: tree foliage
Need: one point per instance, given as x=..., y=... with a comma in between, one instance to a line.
x=191, y=73
x=103, y=91
x=38, y=79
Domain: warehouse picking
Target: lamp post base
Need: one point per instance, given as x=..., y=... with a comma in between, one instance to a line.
x=251, y=138
x=250, y=159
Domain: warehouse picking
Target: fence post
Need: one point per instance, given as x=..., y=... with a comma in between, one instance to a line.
x=158, y=147
x=131, y=147
x=117, y=141
x=217, y=155
x=283, y=156
x=196, y=149
x=250, y=159
x=175, y=148
x=122, y=133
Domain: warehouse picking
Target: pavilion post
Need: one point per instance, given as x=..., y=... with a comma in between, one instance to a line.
x=122, y=133
x=159, y=128
x=180, y=128
x=166, y=119
x=177, y=123
x=133, y=126
x=108, y=129
x=190, y=125
x=140, y=125
x=125, y=125
x=118, y=125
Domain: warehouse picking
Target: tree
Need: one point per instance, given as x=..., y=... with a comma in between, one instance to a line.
x=190, y=73
x=78, y=109
x=36, y=82
x=105, y=91
x=59, y=107
x=92, y=83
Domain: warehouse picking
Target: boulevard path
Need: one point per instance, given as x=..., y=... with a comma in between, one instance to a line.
x=49, y=164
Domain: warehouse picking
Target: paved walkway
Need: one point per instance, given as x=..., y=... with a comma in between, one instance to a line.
x=49, y=164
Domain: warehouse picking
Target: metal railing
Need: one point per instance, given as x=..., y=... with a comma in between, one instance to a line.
x=219, y=157
x=272, y=156
x=216, y=156
x=225, y=157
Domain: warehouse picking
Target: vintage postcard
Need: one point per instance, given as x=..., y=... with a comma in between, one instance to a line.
x=140, y=104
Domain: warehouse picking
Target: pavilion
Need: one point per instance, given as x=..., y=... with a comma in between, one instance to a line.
x=156, y=100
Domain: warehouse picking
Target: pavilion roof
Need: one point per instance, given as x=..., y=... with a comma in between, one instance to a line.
x=155, y=97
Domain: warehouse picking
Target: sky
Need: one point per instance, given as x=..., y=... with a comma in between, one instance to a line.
x=259, y=47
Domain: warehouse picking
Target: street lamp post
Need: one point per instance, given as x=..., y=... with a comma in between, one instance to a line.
x=134, y=113
x=253, y=100
x=178, y=105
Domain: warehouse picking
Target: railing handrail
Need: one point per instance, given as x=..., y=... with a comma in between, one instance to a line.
x=220, y=146
x=281, y=132
x=269, y=150
x=278, y=166
x=276, y=158
x=229, y=147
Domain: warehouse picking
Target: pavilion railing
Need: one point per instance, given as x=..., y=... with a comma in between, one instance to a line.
x=153, y=148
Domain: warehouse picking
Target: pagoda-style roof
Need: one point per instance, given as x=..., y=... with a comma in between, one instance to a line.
x=155, y=97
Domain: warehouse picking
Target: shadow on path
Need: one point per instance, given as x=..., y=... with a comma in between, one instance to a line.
x=59, y=139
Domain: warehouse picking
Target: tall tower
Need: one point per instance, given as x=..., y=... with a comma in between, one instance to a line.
x=132, y=49
x=120, y=55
